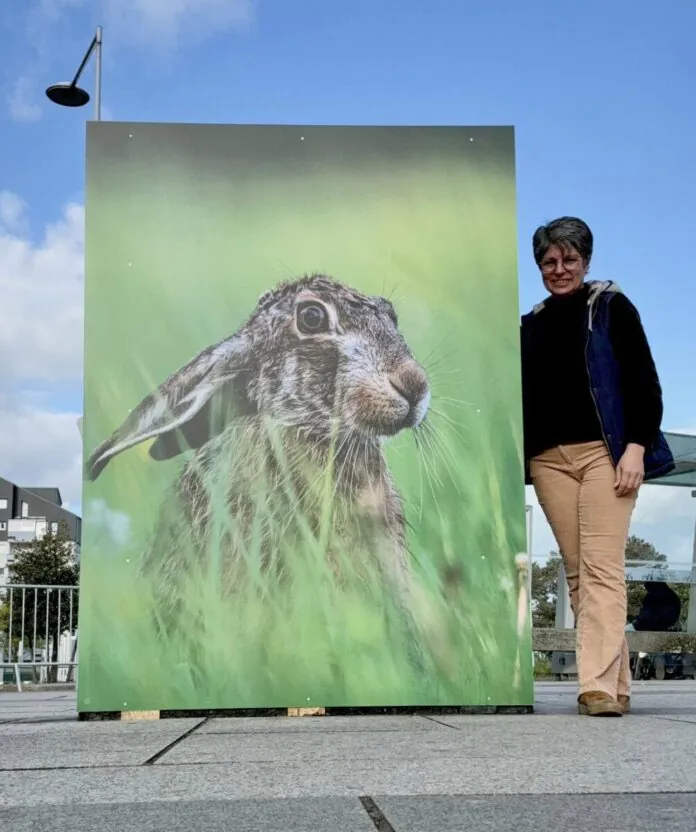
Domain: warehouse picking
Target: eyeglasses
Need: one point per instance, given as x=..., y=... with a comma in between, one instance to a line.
x=569, y=263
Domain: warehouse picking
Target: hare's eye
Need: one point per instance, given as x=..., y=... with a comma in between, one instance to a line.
x=312, y=318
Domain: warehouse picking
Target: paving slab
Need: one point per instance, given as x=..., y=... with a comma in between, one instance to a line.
x=627, y=813
x=37, y=706
x=466, y=740
x=690, y=718
x=313, y=746
x=647, y=698
x=670, y=770
x=304, y=815
x=419, y=813
x=31, y=745
x=311, y=725
x=59, y=763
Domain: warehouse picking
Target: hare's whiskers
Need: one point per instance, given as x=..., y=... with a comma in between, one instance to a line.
x=460, y=403
x=429, y=460
x=436, y=378
x=433, y=366
x=453, y=423
x=291, y=273
x=426, y=467
x=392, y=297
x=417, y=440
x=440, y=450
x=433, y=351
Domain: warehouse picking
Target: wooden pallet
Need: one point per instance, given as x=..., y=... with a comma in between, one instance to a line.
x=306, y=711
x=139, y=716
x=149, y=716
x=144, y=716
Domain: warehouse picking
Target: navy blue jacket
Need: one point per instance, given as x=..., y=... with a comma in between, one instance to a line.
x=605, y=382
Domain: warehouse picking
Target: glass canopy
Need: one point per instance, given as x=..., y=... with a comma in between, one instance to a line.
x=683, y=447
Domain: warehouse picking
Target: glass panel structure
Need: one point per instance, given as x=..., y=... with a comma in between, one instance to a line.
x=683, y=447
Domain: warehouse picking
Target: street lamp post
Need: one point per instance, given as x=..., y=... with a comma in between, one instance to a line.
x=529, y=510
x=68, y=94
x=691, y=617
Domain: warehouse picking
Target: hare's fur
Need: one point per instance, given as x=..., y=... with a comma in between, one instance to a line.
x=309, y=387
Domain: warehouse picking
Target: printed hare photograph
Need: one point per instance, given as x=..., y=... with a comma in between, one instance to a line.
x=302, y=431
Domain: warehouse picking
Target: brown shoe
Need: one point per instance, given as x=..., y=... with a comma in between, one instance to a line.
x=598, y=703
x=625, y=702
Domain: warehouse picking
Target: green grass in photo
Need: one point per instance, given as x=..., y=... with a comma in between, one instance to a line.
x=186, y=227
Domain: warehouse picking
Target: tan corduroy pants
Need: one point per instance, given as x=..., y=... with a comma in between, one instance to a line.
x=575, y=488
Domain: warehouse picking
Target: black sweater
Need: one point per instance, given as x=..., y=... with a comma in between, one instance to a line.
x=559, y=408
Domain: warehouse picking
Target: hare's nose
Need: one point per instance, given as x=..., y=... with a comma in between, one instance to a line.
x=410, y=381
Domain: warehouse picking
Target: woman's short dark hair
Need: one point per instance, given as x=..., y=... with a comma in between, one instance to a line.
x=565, y=232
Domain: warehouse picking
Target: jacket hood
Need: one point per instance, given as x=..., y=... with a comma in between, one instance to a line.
x=596, y=287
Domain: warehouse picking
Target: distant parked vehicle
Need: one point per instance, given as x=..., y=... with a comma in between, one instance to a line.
x=663, y=666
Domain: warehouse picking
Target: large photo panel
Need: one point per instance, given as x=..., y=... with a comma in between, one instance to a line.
x=302, y=426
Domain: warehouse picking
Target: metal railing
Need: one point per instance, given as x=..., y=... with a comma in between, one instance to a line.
x=38, y=634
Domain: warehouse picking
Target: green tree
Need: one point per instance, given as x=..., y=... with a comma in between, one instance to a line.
x=544, y=591
x=4, y=624
x=638, y=550
x=48, y=561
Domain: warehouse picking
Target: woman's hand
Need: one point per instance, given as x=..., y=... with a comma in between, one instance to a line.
x=630, y=470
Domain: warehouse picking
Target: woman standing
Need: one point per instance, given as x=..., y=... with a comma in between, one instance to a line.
x=592, y=416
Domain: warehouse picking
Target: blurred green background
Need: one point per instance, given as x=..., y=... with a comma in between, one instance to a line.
x=186, y=226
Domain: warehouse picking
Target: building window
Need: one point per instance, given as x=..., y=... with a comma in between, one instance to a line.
x=3, y=526
x=25, y=509
x=54, y=527
x=3, y=503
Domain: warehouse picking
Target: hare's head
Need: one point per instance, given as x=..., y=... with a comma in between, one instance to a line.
x=315, y=354
x=328, y=353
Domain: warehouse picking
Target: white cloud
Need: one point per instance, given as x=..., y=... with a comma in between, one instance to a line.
x=22, y=102
x=41, y=331
x=13, y=211
x=161, y=23
x=41, y=287
x=52, y=9
x=40, y=446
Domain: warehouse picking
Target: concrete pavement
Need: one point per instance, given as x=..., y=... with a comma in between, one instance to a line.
x=550, y=770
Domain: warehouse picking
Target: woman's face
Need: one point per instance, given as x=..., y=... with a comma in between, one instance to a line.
x=562, y=270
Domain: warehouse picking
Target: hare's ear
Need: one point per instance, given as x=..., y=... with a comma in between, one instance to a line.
x=186, y=410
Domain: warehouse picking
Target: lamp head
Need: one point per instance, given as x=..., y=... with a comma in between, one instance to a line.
x=68, y=95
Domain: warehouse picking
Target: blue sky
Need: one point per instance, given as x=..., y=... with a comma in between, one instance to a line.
x=601, y=96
